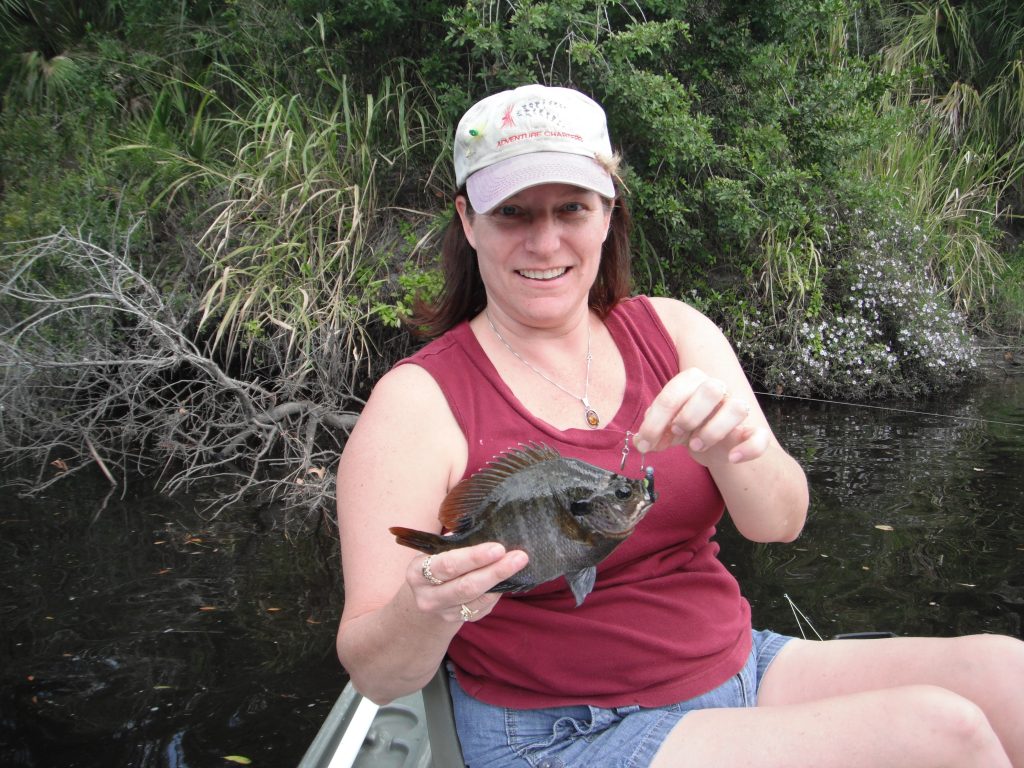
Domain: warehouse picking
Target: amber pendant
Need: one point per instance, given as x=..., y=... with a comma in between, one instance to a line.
x=593, y=420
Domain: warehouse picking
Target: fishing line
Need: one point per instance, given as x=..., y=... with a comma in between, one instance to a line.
x=801, y=618
x=893, y=409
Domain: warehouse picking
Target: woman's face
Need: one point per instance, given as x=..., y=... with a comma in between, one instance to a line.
x=539, y=250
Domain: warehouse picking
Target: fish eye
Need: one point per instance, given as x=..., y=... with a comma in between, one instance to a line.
x=623, y=492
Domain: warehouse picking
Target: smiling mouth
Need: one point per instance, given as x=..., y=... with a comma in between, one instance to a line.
x=542, y=274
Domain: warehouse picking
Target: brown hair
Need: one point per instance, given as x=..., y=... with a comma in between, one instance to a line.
x=463, y=297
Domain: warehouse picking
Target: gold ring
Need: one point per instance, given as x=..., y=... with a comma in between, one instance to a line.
x=466, y=612
x=425, y=570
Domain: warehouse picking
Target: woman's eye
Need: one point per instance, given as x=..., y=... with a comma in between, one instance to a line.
x=573, y=207
x=507, y=210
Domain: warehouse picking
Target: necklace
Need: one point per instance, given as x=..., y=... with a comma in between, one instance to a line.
x=593, y=420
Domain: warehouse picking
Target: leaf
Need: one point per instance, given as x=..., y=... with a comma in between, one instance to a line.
x=883, y=527
x=240, y=759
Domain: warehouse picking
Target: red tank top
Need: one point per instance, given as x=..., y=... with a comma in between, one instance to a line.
x=666, y=620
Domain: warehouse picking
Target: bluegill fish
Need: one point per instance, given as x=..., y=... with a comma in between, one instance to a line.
x=566, y=514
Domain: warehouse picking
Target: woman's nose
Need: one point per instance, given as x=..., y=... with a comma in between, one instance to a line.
x=543, y=236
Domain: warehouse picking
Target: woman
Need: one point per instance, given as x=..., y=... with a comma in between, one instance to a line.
x=659, y=666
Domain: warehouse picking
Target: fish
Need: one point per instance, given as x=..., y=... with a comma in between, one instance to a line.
x=566, y=514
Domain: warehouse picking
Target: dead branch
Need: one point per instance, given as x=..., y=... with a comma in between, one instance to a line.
x=96, y=368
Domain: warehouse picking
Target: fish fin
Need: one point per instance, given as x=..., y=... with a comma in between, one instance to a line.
x=429, y=543
x=509, y=586
x=582, y=582
x=456, y=513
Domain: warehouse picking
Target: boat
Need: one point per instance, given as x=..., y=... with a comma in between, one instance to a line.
x=415, y=731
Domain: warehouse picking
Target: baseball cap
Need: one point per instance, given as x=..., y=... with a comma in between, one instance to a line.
x=535, y=134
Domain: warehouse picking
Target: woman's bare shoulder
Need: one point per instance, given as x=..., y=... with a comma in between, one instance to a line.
x=682, y=320
x=407, y=414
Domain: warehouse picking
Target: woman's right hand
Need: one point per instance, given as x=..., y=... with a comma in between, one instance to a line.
x=466, y=573
x=403, y=456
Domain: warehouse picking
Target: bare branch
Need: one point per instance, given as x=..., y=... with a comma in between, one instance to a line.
x=96, y=367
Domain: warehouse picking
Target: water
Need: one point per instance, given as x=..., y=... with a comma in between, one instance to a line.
x=138, y=633
x=916, y=523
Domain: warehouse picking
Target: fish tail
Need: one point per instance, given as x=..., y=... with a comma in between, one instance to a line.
x=428, y=543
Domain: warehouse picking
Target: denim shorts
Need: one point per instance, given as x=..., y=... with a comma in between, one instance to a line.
x=586, y=736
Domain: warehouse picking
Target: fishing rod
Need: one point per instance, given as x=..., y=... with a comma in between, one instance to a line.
x=892, y=409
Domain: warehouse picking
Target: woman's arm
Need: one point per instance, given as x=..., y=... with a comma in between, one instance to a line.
x=404, y=454
x=711, y=407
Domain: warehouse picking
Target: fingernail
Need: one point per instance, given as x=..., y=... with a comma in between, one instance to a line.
x=643, y=446
x=735, y=457
x=697, y=444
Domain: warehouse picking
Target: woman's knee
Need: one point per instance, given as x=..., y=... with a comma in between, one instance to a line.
x=955, y=725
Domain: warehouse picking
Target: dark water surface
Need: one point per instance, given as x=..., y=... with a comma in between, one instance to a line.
x=916, y=523
x=138, y=633
x=142, y=634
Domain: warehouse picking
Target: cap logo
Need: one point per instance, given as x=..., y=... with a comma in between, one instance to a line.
x=507, y=121
x=537, y=135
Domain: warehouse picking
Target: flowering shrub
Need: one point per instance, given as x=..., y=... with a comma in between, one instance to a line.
x=885, y=329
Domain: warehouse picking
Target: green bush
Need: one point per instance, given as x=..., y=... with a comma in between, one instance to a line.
x=762, y=142
x=885, y=327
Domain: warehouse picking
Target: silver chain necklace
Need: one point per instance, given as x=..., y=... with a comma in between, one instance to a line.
x=593, y=420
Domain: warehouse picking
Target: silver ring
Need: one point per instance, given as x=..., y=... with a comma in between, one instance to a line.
x=425, y=570
x=466, y=612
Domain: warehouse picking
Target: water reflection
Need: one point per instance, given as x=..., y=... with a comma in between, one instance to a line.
x=140, y=634
x=916, y=523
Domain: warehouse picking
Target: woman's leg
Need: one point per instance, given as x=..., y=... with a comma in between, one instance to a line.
x=902, y=702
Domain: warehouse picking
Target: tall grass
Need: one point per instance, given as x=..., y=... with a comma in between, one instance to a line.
x=292, y=244
x=973, y=71
x=792, y=271
x=952, y=193
x=974, y=47
x=960, y=161
x=297, y=244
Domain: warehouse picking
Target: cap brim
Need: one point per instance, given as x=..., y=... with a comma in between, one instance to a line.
x=489, y=186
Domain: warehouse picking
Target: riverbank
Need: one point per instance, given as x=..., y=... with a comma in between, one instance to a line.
x=1001, y=356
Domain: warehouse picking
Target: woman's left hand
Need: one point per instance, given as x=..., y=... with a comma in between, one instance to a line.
x=699, y=411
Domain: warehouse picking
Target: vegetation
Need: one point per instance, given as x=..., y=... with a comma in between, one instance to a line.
x=837, y=183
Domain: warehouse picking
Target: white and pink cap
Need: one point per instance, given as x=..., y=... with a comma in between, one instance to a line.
x=532, y=135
